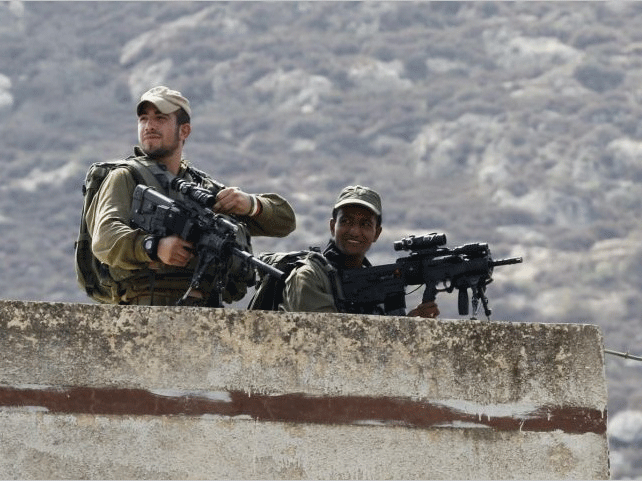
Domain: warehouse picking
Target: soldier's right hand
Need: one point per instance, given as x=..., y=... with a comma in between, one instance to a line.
x=174, y=251
x=425, y=309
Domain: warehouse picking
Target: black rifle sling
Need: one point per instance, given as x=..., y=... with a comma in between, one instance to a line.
x=335, y=281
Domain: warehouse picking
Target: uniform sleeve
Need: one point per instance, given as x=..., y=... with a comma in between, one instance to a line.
x=308, y=289
x=276, y=219
x=114, y=242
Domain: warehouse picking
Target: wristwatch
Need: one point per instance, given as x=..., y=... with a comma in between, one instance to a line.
x=150, y=245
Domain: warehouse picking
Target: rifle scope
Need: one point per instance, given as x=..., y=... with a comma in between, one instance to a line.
x=471, y=250
x=192, y=190
x=413, y=243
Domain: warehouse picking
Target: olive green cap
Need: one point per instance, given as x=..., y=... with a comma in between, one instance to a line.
x=359, y=195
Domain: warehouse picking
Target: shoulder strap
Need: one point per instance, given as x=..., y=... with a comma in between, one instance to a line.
x=91, y=275
x=152, y=173
x=318, y=258
x=164, y=178
x=134, y=171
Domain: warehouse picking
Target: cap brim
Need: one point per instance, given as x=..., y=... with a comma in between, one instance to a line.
x=161, y=104
x=357, y=202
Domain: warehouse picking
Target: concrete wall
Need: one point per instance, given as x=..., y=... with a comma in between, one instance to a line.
x=104, y=392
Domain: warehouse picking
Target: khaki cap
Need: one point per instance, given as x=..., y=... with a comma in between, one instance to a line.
x=165, y=100
x=357, y=194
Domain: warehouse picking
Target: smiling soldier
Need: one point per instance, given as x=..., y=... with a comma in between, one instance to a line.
x=355, y=225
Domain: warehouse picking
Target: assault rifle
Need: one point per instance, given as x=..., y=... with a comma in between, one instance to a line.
x=219, y=241
x=465, y=267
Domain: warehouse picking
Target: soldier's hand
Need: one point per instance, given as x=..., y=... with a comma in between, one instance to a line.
x=425, y=309
x=233, y=200
x=174, y=251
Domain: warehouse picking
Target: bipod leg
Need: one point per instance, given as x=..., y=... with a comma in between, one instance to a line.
x=481, y=294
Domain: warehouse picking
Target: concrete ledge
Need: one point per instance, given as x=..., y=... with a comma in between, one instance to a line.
x=149, y=392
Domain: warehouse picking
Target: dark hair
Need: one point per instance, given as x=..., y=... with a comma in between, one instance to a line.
x=335, y=211
x=182, y=117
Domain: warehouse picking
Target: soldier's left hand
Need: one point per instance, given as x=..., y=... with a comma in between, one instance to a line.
x=232, y=200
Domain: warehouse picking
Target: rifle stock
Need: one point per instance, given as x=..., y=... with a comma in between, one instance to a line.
x=371, y=287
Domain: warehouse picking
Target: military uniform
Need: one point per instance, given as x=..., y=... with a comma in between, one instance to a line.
x=309, y=288
x=314, y=286
x=129, y=256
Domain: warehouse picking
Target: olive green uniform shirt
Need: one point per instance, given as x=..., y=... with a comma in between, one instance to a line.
x=308, y=289
x=313, y=286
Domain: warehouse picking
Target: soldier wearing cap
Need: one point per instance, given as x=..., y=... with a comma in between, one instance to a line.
x=158, y=270
x=355, y=225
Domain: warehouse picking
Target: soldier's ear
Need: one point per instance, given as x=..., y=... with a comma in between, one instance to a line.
x=184, y=131
x=333, y=223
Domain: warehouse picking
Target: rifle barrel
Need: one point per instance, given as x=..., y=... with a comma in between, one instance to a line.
x=267, y=268
x=506, y=262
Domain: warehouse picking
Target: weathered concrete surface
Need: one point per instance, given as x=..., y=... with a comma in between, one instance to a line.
x=90, y=392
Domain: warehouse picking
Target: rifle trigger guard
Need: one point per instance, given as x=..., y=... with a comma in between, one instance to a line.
x=448, y=286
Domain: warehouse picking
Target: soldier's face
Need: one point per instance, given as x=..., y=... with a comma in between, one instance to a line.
x=158, y=133
x=354, y=230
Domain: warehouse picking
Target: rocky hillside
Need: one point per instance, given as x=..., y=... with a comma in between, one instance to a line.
x=512, y=123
